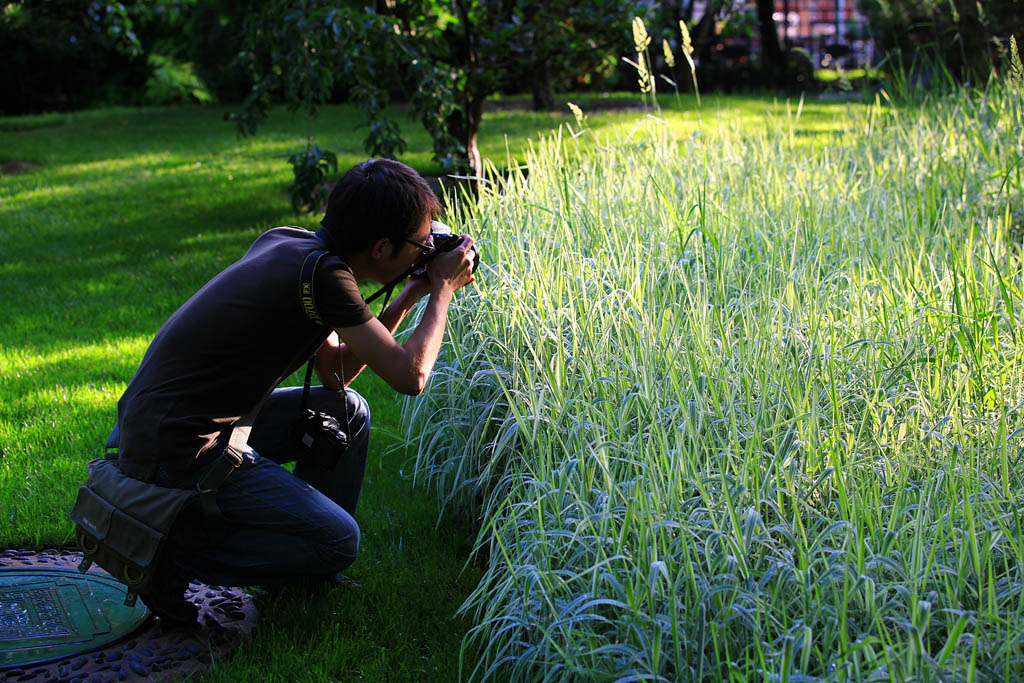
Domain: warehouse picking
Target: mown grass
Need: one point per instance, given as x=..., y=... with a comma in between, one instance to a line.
x=127, y=214
x=730, y=410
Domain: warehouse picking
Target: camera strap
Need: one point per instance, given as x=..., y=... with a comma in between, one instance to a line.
x=305, y=385
x=324, y=236
x=308, y=300
x=387, y=289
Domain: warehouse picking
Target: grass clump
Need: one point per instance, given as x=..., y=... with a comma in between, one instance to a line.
x=728, y=410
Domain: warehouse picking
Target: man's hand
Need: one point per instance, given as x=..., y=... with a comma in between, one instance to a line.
x=452, y=269
x=406, y=367
x=416, y=288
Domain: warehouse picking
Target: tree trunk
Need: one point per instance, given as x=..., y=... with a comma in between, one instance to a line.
x=464, y=126
x=971, y=35
x=543, y=91
x=704, y=33
x=771, y=55
x=474, y=115
x=674, y=9
x=688, y=13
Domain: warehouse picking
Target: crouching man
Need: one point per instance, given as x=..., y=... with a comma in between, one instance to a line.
x=222, y=354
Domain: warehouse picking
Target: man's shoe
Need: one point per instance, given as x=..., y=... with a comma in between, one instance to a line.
x=341, y=581
x=173, y=609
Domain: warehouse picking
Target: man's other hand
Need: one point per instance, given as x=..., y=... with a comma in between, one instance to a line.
x=453, y=268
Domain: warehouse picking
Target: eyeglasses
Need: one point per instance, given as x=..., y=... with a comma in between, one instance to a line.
x=425, y=248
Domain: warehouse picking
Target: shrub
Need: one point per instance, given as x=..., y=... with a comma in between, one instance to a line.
x=940, y=40
x=310, y=167
x=66, y=54
x=799, y=69
x=174, y=82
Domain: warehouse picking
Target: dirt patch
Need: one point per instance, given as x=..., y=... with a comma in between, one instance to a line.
x=444, y=184
x=10, y=127
x=16, y=167
x=154, y=652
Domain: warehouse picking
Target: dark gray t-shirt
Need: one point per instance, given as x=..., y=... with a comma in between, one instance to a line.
x=226, y=348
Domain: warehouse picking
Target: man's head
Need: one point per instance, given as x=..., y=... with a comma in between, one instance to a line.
x=378, y=198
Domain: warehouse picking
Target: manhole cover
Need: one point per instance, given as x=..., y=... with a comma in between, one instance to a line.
x=47, y=614
x=155, y=651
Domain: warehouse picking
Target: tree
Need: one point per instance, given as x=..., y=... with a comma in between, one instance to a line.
x=772, y=58
x=962, y=36
x=447, y=56
x=560, y=40
x=60, y=54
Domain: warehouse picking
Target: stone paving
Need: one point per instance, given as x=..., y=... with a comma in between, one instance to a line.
x=155, y=652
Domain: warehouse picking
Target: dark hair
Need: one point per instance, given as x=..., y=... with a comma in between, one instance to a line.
x=374, y=199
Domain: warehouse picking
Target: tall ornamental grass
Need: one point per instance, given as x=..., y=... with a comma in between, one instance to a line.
x=728, y=410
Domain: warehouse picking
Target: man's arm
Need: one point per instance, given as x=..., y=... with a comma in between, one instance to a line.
x=405, y=367
x=327, y=355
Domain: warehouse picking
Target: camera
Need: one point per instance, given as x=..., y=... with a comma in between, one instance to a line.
x=320, y=439
x=443, y=240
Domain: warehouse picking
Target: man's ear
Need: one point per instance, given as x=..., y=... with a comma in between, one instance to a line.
x=379, y=248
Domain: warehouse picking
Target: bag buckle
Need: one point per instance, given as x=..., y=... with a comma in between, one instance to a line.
x=227, y=462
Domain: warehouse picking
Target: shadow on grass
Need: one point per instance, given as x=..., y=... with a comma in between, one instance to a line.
x=74, y=276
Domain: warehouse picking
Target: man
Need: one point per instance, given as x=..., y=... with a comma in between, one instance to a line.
x=227, y=348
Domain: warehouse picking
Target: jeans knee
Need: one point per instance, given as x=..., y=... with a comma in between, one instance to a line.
x=340, y=404
x=359, y=410
x=340, y=552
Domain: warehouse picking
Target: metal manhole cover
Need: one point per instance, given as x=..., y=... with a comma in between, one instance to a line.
x=156, y=651
x=49, y=613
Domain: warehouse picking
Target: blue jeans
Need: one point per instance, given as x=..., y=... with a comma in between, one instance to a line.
x=284, y=527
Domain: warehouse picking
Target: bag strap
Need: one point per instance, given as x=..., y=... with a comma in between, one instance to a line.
x=228, y=462
x=232, y=456
x=230, y=459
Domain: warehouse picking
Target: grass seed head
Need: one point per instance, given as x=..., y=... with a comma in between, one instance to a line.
x=581, y=118
x=687, y=45
x=643, y=75
x=1016, y=69
x=640, y=38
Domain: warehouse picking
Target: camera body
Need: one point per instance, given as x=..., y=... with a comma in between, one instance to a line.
x=444, y=241
x=320, y=439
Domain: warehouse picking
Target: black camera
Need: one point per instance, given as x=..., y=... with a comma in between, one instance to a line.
x=320, y=439
x=443, y=240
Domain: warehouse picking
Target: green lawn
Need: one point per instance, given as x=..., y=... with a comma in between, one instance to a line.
x=127, y=214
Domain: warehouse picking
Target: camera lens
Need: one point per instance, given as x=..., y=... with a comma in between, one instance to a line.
x=439, y=228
